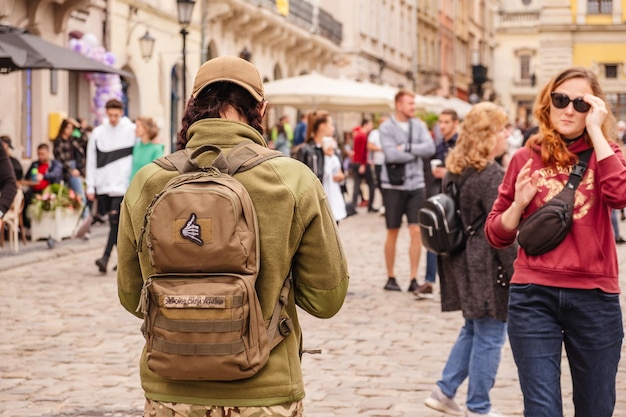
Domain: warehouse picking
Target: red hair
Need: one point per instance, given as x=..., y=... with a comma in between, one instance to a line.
x=554, y=151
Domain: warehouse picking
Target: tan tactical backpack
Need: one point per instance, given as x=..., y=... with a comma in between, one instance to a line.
x=203, y=320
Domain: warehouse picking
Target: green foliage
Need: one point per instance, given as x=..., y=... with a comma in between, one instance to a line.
x=429, y=118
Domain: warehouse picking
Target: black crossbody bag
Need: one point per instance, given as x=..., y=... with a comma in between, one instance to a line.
x=396, y=172
x=546, y=228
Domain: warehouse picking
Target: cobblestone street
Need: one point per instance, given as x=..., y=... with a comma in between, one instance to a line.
x=69, y=349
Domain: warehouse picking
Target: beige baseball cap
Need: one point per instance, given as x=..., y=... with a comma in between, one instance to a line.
x=232, y=69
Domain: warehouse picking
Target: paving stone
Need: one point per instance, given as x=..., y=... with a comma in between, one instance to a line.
x=69, y=349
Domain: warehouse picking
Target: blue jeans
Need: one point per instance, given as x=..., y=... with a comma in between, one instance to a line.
x=475, y=354
x=431, y=267
x=589, y=324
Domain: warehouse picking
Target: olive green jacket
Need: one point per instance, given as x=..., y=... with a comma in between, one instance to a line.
x=297, y=231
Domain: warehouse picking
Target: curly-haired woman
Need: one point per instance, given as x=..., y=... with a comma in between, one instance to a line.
x=473, y=280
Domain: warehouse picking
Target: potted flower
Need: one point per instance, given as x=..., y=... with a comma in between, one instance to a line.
x=54, y=213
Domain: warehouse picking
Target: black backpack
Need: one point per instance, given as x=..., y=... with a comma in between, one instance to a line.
x=440, y=221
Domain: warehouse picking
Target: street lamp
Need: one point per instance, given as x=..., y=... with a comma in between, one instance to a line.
x=245, y=54
x=185, y=8
x=146, y=44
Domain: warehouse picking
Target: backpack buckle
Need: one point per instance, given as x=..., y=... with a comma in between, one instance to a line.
x=285, y=326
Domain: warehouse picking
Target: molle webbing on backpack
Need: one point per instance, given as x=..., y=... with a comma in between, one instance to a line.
x=203, y=319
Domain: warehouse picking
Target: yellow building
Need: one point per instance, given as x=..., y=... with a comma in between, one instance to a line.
x=536, y=39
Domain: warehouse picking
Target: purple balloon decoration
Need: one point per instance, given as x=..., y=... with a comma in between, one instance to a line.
x=109, y=58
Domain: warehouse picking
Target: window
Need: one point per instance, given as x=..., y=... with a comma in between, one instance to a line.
x=524, y=70
x=599, y=6
x=618, y=104
x=610, y=71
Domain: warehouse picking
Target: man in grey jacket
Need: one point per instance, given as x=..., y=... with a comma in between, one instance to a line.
x=405, y=141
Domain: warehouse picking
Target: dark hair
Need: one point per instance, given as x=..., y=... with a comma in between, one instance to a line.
x=531, y=131
x=64, y=124
x=114, y=104
x=43, y=146
x=450, y=112
x=313, y=124
x=280, y=125
x=214, y=100
x=365, y=121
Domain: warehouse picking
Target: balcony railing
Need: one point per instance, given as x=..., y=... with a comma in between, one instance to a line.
x=329, y=27
x=301, y=14
x=525, y=18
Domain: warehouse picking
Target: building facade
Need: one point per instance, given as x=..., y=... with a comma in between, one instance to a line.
x=536, y=39
x=280, y=45
x=432, y=47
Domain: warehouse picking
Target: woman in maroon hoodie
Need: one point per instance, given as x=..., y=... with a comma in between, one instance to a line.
x=570, y=295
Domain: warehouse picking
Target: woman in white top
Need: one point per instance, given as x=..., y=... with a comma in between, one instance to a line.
x=333, y=176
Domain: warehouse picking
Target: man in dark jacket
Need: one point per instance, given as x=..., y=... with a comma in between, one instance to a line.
x=434, y=171
x=17, y=166
x=8, y=186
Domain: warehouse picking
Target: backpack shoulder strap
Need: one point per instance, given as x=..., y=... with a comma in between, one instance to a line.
x=278, y=329
x=174, y=161
x=247, y=155
x=456, y=185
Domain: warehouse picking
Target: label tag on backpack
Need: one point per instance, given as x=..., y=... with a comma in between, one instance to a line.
x=193, y=301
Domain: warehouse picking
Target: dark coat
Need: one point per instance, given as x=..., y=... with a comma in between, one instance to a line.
x=8, y=185
x=469, y=278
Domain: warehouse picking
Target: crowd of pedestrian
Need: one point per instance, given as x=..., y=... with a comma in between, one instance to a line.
x=496, y=285
x=565, y=297
x=96, y=164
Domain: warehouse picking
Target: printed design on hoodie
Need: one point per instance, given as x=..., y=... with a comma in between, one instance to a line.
x=105, y=158
x=583, y=198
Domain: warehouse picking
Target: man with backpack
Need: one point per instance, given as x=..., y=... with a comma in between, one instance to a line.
x=197, y=282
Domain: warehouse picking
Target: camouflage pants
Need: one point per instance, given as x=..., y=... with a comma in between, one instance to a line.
x=160, y=409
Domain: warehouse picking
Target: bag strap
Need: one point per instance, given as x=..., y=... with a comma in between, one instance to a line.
x=470, y=229
x=410, y=134
x=576, y=176
x=241, y=157
x=174, y=161
x=278, y=329
x=247, y=155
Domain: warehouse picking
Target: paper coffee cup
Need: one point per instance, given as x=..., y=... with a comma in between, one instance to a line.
x=435, y=163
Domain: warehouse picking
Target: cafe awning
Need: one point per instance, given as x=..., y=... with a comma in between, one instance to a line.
x=21, y=50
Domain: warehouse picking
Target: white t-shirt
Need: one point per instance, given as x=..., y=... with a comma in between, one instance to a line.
x=377, y=157
x=332, y=165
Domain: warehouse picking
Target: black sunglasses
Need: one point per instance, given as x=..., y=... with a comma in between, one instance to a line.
x=561, y=101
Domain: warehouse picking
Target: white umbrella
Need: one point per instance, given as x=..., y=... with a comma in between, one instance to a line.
x=316, y=91
x=461, y=107
x=439, y=103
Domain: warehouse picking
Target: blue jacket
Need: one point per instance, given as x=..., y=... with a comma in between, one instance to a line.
x=53, y=175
